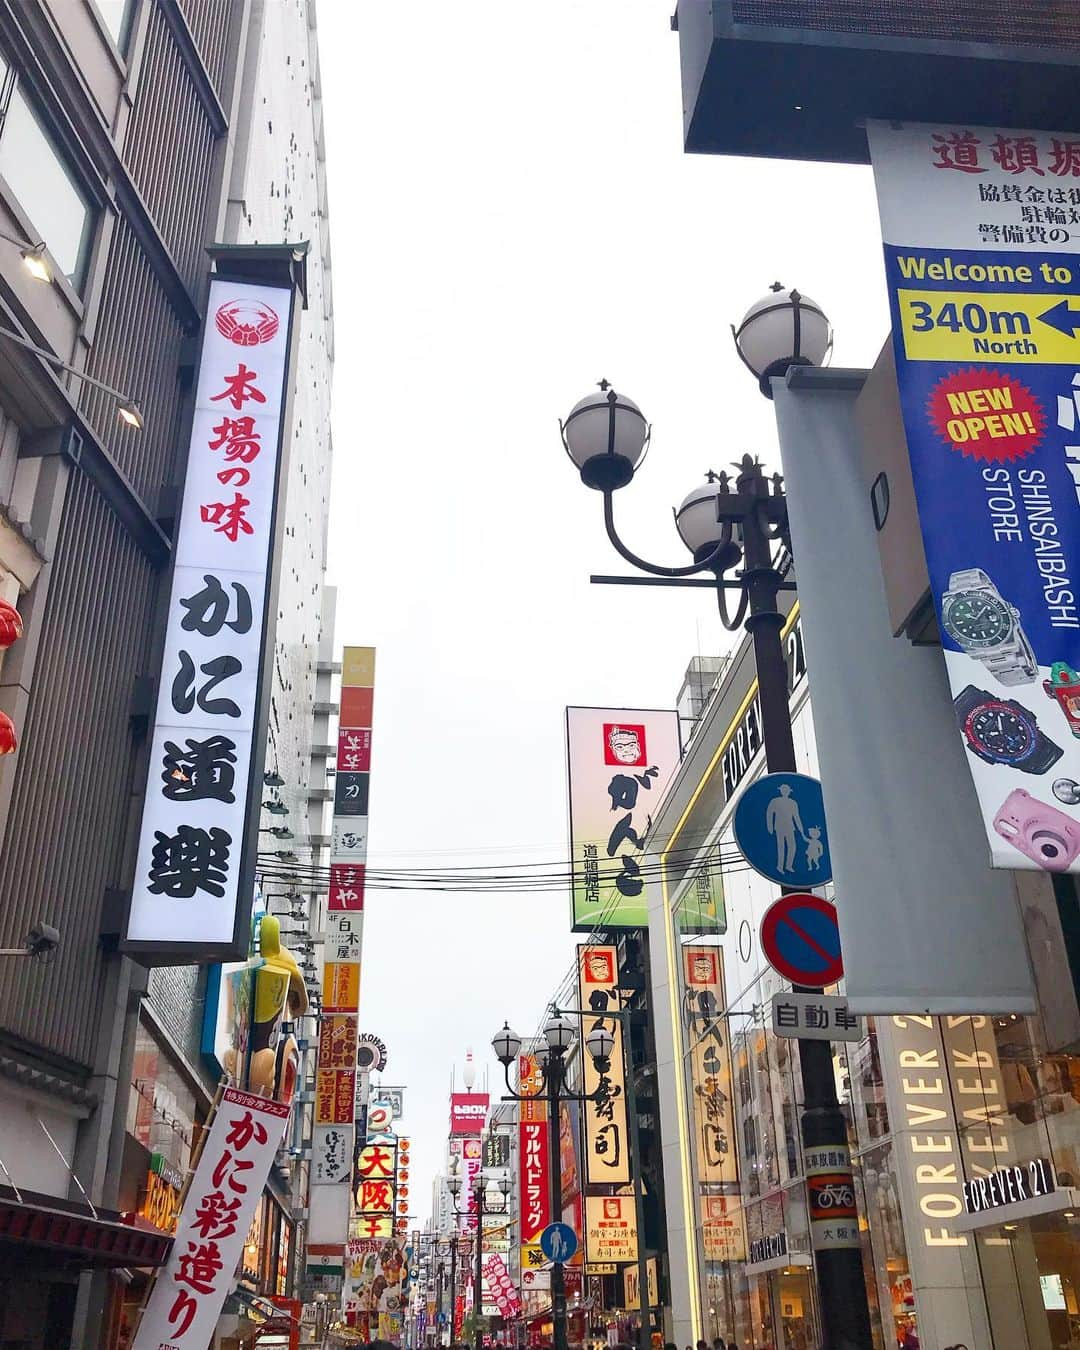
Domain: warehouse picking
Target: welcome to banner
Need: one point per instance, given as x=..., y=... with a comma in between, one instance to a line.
x=981, y=228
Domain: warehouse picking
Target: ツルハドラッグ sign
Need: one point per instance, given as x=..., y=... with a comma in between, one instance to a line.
x=982, y=251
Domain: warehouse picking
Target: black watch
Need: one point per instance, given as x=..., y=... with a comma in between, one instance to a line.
x=1002, y=731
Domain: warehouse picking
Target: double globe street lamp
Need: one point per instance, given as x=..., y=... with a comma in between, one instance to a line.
x=489, y=1197
x=743, y=532
x=551, y=1059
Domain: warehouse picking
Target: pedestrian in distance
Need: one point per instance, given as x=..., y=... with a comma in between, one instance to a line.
x=719, y=1343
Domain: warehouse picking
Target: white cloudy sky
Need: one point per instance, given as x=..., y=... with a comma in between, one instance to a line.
x=513, y=218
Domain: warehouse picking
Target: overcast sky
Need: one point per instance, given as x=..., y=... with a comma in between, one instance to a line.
x=512, y=219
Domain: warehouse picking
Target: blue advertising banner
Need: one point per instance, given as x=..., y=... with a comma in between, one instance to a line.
x=982, y=250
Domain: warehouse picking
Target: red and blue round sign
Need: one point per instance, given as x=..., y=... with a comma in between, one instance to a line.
x=801, y=939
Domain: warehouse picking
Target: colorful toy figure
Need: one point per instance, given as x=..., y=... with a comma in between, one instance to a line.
x=1064, y=685
x=269, y=990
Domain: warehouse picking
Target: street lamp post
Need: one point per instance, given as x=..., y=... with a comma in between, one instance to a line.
x=559, y=1035
x=453, y=1185
x=485, y=1203
x=606, y=437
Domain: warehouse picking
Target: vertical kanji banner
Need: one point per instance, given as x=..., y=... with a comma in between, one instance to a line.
x=619, y=762
x=607, y=1155
x=706, y=1030
x=982, y=249
x=194, y=870
x=189, y=1293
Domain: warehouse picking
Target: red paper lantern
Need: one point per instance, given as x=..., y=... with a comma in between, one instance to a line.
x=9, y=742
x=11, y=627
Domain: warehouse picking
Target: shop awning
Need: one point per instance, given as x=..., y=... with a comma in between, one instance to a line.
x=34, y=1223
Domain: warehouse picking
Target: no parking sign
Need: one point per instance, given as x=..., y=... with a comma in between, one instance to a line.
x=801, y=939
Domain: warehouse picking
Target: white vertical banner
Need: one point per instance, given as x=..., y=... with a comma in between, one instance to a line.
x=925, y=923
x=188, y=877
x=190, y=1292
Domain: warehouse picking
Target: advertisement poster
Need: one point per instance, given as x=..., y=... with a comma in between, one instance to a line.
x=607, y=1154
x=189, y=1293
x=981, y=227
x=619, y=763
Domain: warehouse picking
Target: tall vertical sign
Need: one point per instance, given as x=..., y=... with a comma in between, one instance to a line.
x=619, y=761
x=704, y=1002
x=188, y=1295
x=607, y=1157
x=534, y=1180
x=983, y=263
x=194, y=872
x=336, y=1068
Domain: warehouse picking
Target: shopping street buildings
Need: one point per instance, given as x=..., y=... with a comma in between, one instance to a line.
x=933, y=1104
x=134, y=136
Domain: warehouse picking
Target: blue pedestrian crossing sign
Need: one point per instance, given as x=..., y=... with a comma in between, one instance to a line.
x=558, y=1242
x=780, y=828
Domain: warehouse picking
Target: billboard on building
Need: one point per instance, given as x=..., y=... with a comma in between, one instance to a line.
x=619, y=763
x=194, y=871
x=468, y=1112
x=607, y=1154
x=982, y=266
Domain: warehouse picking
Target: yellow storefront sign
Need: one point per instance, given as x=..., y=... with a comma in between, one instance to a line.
x=1006, y=327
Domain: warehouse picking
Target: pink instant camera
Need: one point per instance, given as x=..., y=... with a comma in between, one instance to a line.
x=1046, y=835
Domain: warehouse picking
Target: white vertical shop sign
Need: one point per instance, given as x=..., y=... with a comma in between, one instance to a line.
x=190, y=1292
x=191, y=879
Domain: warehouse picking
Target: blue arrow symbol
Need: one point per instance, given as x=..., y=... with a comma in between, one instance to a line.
x=1061, y=317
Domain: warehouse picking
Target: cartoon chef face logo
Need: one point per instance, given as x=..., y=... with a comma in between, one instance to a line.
x=624, y=743
x=246, y=322
x=702, y=968
x=612, y=1209
x=599, y=968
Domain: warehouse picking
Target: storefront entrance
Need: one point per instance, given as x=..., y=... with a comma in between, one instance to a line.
x=793, y=1309
x=1031, y=1274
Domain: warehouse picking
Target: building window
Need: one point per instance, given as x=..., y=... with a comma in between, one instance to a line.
x=117, y=17
x=44, y=186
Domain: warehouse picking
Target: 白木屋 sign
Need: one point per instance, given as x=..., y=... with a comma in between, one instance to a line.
x=982, y=249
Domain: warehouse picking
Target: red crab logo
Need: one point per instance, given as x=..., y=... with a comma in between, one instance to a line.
x=246, y=322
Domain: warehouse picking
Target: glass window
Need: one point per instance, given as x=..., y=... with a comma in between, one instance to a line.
x=117, y=16
x=36, y=174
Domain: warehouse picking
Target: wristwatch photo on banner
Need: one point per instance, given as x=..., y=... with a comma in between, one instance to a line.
x=1002, y=731
x=983, y=624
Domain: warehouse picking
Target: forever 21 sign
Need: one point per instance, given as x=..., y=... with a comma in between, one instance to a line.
x=746, y=739
x=1009, y=1185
